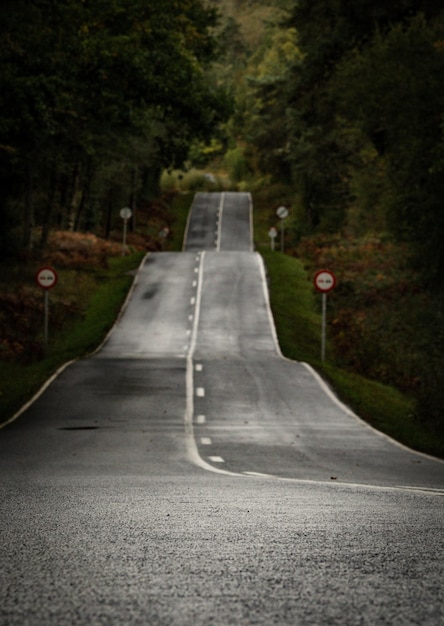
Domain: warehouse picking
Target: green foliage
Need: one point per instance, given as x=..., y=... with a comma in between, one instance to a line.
x=384, y=324
x=236, y=164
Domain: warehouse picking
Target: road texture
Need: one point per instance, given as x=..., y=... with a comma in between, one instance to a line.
x=188, y=474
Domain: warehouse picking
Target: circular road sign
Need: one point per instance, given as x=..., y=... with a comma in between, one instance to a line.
x=324, y=281
x=46, y=277
x=272, y=233
x=282, y=212
x=126, y=213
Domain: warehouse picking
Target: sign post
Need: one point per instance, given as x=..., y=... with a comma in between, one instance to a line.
x=46, y=278
x=324, y=281
x=272, y=233
x=125, y=214
x=282, y=212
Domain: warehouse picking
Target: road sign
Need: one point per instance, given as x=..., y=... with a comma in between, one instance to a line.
x=46, y=277
x=324, y=281
x=282, y=212
x=126, y=213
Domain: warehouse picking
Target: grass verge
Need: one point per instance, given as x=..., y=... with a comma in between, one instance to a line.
x=297, y=316
x=101, y=293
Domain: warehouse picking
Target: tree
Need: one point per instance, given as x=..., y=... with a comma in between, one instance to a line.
x=76, y=75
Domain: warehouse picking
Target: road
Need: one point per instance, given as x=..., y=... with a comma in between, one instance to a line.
x=188, y=474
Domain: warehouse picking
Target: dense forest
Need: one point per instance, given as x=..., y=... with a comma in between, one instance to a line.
x=344, y=101
x=332, y=107
x=96, y=98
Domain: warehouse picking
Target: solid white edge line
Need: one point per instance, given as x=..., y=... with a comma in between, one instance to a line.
x=63, y=367
x=219, y=224
x=321, y=382
x=348, y=411
x=261, y=264
x=250, y=205
x=187, y=225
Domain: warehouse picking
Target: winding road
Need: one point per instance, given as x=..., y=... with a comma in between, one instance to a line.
x=188, y=474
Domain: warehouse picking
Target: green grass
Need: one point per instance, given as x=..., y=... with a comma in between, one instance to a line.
x=296, y=311
x=101, y=294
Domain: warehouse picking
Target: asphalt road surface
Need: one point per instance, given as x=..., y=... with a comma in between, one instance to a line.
x=188, y=474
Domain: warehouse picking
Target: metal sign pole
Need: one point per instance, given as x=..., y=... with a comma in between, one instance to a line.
x=324, y=325
x=324, y=281
x=46, y=278
x=46, y=316
x=125, y=227
x=126, y=215
x=282, y=213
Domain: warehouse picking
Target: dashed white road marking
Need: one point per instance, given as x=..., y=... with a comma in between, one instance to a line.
x=200, y=392
x=199, y=367
x=193, y=301
x=201, y=419
x=216, y=459
x=205, y=441
x=194, y=283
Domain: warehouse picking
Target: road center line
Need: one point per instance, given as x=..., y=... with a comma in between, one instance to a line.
x=193, y=453
x=219, y=222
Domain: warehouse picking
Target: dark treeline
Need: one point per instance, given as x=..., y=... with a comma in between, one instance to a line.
x=345, y=102
x=340, y=116
x=96, y=98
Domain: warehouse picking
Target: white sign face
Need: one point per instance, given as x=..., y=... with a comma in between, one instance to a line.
x=126, y=213
x=46, y=277
x=272, y=233
x=282, y=212
x=325, y=281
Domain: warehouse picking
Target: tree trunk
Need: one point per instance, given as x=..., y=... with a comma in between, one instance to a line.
x=28, y=217
x=150, y=183
x=132, y=200
x=109, y=212
x=75, y=197
x=46, y=226
x=85, y=193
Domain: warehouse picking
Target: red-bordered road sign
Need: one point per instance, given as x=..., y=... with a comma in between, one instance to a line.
x=46, y=277
x=324, y=281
